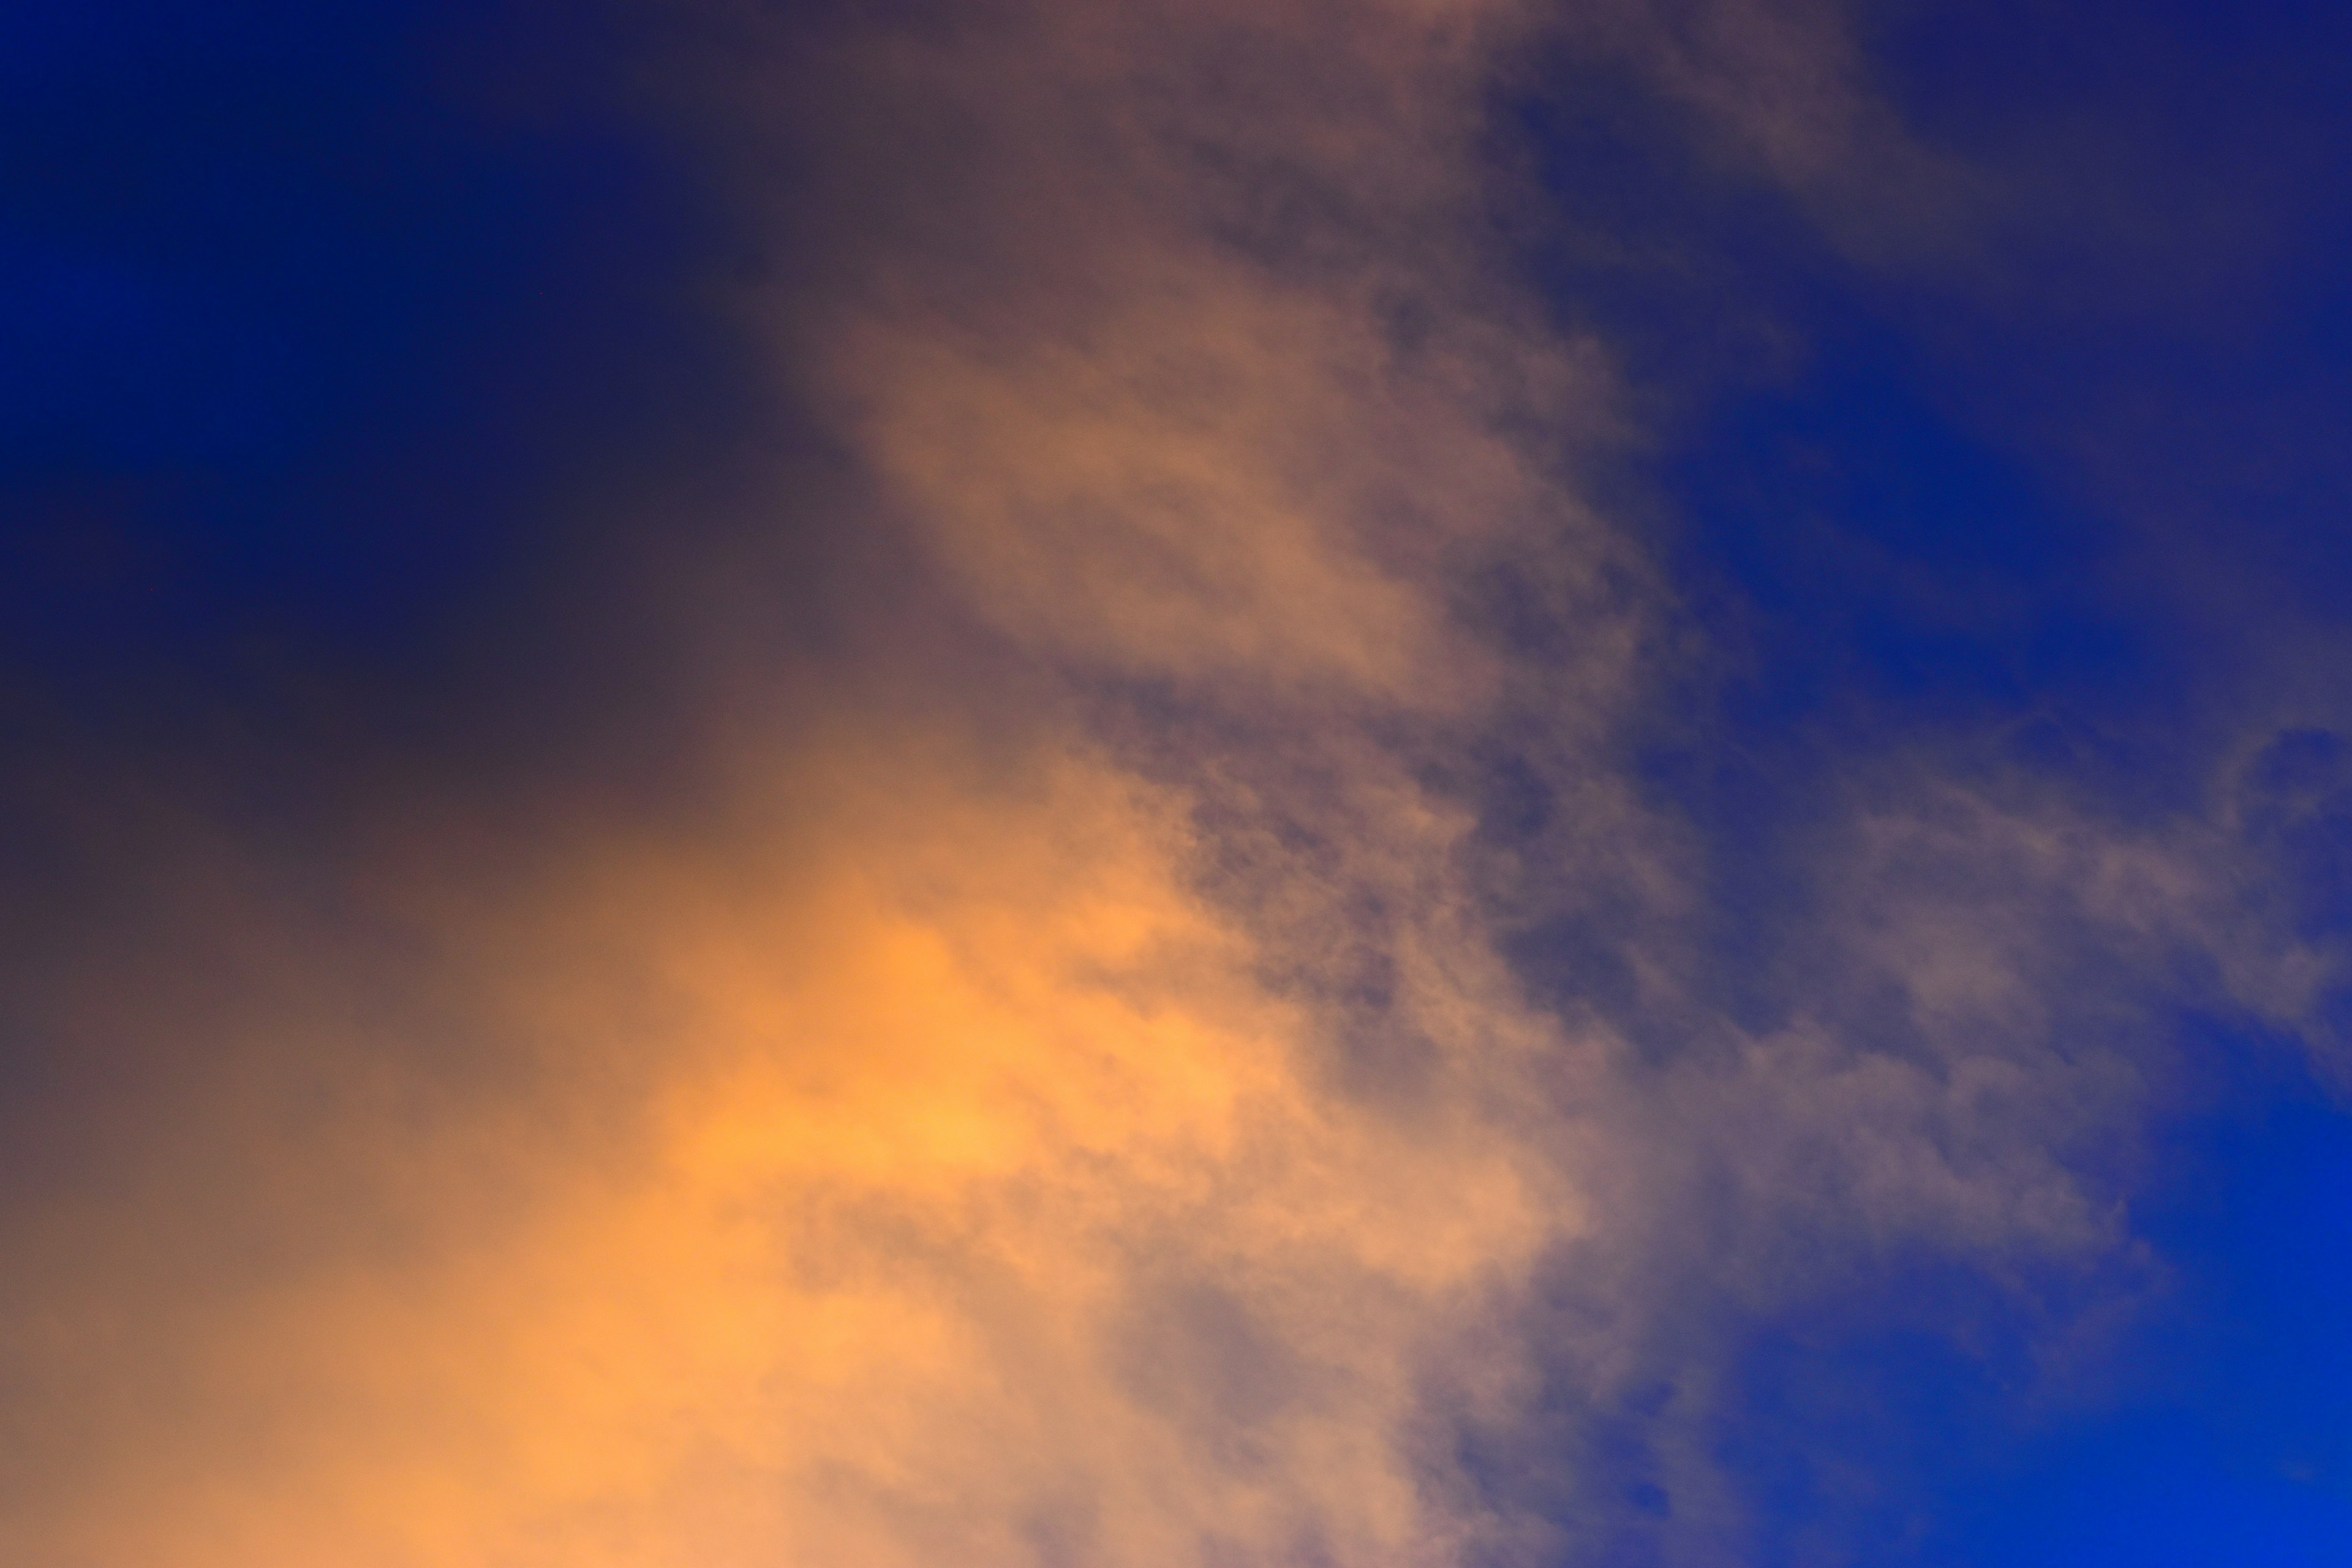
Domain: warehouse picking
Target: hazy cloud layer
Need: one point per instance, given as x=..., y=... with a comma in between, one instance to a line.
x=1070, y=1089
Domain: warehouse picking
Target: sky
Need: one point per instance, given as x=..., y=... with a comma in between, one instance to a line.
x=1195, y=783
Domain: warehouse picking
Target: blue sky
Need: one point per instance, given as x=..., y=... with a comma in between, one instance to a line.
x=1847, y=522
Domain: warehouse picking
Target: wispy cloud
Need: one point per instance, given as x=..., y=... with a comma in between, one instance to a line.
x=1065, y=1093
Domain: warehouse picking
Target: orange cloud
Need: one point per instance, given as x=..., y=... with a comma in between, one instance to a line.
x=952, y=1150
x=1064, y=1101
x=955, y=1180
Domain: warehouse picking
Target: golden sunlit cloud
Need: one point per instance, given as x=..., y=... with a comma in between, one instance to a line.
x=954, y=1183
x=1063, y=1096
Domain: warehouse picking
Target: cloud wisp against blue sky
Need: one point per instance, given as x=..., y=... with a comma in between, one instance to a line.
x=1412, y=784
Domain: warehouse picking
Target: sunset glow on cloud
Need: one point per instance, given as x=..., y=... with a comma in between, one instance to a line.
x=1062, y=786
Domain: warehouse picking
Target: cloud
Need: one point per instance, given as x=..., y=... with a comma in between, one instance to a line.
x=972, y=1138
x=917, y=1166
x=1061, y=1091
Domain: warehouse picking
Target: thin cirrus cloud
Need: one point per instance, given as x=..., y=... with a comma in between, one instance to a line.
x=1068, y=1087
